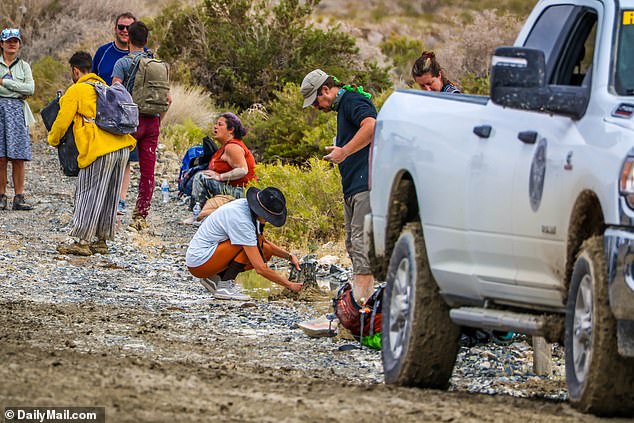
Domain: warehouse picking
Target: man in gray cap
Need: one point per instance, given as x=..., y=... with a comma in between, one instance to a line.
x=356, y=118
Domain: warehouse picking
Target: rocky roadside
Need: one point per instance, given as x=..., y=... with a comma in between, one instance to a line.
x=139, y=301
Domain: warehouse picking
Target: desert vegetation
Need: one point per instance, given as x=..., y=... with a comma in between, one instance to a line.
x=250, y=56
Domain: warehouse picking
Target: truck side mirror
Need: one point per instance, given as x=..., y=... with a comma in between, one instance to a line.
x=518, y=67
x=518, y=81
x=517, y=76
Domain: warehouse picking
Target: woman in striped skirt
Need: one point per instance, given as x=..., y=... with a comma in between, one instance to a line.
x=16, y=83
x=102, y=160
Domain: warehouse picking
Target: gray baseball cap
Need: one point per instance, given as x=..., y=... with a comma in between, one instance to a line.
x=311, y=84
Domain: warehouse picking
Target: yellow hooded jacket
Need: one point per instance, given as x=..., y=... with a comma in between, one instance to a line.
x=92, y=142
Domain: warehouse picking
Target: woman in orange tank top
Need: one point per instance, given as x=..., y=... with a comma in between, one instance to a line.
x=231, y=168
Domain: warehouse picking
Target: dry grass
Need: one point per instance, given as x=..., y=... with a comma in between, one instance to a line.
x=190, y=103
x=468, y=48
x=55, y=28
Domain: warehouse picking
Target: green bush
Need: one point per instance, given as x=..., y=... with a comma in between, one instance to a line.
x=314, y=200
x=288, y=132
x=50, y=75
x=403, y=52
x=243, y=50
x=179, y=137
x=473, y=84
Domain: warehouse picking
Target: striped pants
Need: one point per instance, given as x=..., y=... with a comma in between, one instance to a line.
x=96, y=196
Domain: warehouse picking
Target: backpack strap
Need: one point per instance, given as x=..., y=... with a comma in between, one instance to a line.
x=136, y=61
x=89, y=120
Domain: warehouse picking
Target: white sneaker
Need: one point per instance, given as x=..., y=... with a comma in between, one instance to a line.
x=228, y=290
x=210, y=283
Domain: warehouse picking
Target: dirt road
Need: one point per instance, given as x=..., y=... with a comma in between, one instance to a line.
x=133, y=332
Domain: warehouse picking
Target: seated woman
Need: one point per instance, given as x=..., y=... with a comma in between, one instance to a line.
x=231, y=241
x=231, y=167
x=429, y=75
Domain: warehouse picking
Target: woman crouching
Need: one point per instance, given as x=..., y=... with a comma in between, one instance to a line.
x=231, y=241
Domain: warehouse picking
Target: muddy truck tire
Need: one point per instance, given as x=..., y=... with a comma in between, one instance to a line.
x=599, y=380
x=420, y=342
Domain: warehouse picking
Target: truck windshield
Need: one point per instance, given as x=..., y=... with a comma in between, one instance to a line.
x=625, y=57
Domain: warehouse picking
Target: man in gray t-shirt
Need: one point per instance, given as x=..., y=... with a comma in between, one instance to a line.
x=231, y=240
x=147, y=133
x=123, y=69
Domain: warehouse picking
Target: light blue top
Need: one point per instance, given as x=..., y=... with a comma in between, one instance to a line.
x=232, y=221
x=123, y=69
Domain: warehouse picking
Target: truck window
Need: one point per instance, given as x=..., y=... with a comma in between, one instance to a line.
x=578, y=49
x=624, y=78
x=566, y=34
x=546, y=33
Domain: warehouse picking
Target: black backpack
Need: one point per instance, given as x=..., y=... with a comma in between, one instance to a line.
x=67, y=149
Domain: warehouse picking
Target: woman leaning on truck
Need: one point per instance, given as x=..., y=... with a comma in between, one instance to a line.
x=428, y=74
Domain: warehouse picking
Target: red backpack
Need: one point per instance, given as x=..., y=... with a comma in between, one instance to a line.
x=362, y=321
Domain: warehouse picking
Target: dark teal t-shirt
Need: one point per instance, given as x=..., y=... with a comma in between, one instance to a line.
x=353, y=108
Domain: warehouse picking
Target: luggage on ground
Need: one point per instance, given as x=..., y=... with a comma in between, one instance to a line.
x=363, y=321
x=195, y=159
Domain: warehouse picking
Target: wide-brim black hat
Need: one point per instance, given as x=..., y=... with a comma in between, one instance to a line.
x=269, y=204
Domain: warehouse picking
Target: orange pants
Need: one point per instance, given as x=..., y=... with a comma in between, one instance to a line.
x=225, y=254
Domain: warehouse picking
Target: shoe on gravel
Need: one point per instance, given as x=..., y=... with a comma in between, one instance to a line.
x=76, y=249
x=138, y=224
x=20, y=204
x=210, y=283
x=228, y=290
x=99, y=247
x=3, y=201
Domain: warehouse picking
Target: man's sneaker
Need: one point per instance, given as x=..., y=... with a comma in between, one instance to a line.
x=210, y=283
x=228, y=290
x=121, y=207
x=138, y=224
x=99, y=247
x=76, y=248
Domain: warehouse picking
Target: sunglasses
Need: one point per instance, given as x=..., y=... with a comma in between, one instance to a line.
x=121, y=27
x=10, y=33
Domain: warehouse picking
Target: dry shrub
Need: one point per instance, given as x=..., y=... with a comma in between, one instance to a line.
x=468, y=48
x=190, y=103
x=55, y=28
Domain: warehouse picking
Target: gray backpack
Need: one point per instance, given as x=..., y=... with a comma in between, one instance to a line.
x=116, y=112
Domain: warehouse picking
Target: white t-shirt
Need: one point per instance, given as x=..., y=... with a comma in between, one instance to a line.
x=231, y=221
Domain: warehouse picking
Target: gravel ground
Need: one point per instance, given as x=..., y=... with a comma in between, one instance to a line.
x=132, y=331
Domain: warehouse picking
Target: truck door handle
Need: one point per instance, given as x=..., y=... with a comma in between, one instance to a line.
x=482, y=131
x=528, y=137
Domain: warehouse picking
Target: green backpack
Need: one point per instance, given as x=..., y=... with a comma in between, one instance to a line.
x=151, y=84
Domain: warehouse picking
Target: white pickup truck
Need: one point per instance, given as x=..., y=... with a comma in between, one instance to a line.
x=516, y=211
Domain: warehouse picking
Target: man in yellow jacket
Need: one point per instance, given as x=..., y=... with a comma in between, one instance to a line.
x=102, y=159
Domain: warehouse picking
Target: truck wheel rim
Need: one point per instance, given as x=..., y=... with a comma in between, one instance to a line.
x=399, y=308
x=582, y=329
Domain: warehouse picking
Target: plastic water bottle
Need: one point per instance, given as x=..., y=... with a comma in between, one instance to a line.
x=165, y=190
x=196, y=212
